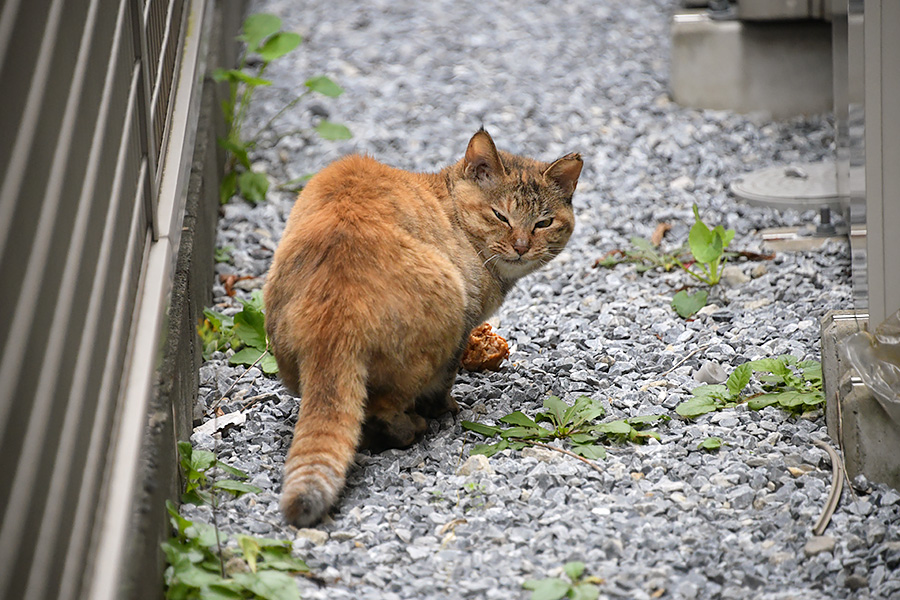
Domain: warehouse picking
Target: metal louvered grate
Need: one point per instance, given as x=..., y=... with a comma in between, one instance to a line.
x=88, y=88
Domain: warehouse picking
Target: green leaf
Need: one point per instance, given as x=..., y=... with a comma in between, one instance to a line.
x=574, y=570
x=639, y=437
x=696, y=406
x=204, y=534
x=763, y=401
x=228, y=187
x=485, y=430
x=220, y=75
x=739, y=379
x=589, y=451
x=715, y=390
x=523, y=432
x=196, y=577
x=246, y=78
x=223, y=255
x=246, y=356
x=231, y=470
x=178, y=522
x=288, y=563
x=219, y=591
x=727, y=235
x=488, y=449
x=202, y=460
x=253, y=186
x=269, y=364
x=333, y=131
x=236, y=487
x=643, y=244
x=582, y=438
x=250, y=547
x=324, y=85
x=687, y=305
x=547, y=589
x=278, y=45
x=585, y=591
x=250, y=326
x=619, y=427
x=271, y=585
x=558, y=410
x=705, y=246
x=257, y=28
x=646, y=420
x=518, y=418
x=765, y=365
x=710, y=443
x=238, y=149
x=791, y=399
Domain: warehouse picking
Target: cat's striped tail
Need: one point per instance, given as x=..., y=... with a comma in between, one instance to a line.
x=332, y=410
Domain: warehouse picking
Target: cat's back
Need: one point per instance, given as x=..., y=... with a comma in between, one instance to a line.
x=359, y=197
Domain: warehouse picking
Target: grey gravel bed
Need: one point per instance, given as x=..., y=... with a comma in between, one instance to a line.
x=663, y=518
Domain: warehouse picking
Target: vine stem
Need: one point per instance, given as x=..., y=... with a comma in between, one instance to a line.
x=685, y=359
x=231, y=387
x=568, y=453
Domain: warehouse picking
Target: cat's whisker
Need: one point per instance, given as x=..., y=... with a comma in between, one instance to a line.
x=490, y=258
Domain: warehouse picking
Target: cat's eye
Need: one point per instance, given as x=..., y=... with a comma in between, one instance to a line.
x=500, y=216
x=543, y=223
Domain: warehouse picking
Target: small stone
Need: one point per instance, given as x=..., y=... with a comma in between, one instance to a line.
x=709, y=309
x=475, y=464
x=856, y=582
x=759, y=271
x=755, y=304
x=541, y=454
x=734, y=276
x=314, y=535
x=818, y=544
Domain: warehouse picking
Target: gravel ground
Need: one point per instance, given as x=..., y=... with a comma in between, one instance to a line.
x=664, y=519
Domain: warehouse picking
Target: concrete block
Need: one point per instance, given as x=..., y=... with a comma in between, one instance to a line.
x=869, y=438
x=783, y=67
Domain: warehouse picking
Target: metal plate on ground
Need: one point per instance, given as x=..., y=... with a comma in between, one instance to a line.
x=803, y=186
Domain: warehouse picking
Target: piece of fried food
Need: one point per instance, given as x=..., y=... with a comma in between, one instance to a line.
x=486, y=350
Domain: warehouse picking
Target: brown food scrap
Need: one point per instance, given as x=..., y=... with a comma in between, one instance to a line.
x=229, y=280
x=486, y=350
x=659, y=232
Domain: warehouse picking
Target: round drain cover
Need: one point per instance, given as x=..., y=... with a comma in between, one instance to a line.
x=803, y=186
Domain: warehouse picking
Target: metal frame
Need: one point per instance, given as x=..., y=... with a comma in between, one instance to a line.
x=882, y=139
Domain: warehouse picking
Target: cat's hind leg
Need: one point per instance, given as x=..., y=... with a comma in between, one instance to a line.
x=436, y=401
x=391, y=424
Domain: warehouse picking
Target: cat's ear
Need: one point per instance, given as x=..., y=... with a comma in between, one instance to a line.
x=482, y=160
x=564, y=172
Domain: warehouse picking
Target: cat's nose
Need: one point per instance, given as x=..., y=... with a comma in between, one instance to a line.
x=521, y=246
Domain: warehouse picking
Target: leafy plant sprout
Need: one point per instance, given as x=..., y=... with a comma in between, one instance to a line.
x=245, y=333
x=201, y=565
x=575, y=424
x=265, y=42
x=791, y=384
x=578, y=587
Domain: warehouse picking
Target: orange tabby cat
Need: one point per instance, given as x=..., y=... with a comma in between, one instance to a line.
x=377, y=281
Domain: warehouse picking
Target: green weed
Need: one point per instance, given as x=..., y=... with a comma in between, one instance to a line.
x=577, y=424
x=245, y=333
x=265, y=41
x=786, y=382
x=202, y=564
x=578, y=587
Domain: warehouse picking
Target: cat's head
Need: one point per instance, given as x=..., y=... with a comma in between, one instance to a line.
x=516, y=211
